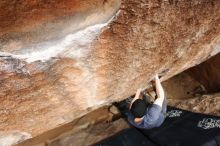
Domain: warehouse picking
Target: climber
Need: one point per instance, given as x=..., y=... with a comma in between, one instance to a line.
x=144, y=114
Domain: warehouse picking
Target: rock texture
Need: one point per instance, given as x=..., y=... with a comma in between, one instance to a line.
x=208, y=104
x=94, y=126
x=93, y=134
x=207, y=74
x=182, y=86
x=25, y=23
x=54, y=68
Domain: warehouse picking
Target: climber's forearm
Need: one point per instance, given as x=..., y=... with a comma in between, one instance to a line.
x=137, y=96
x=159, y=88
x=160, y=92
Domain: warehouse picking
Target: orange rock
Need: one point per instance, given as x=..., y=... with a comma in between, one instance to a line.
x=82, y=68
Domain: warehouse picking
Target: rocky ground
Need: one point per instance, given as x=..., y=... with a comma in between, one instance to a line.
x=208, y=104
x=184, y=92
x=92, y=134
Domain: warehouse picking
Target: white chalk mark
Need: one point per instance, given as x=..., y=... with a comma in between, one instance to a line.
x=216, y=50
x=13, y=137
x=75, y=45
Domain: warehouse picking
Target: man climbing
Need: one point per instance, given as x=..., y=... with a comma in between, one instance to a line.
x=145, y=115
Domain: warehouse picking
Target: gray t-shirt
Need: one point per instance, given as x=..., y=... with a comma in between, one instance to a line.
x=152, y=118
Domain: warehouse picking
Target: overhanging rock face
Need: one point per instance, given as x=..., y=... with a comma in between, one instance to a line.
x=61, y=59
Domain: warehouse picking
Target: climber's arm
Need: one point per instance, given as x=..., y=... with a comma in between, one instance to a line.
x=160, y=92
x=137, y=96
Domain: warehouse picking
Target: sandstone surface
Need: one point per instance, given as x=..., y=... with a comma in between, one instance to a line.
x=62, y=59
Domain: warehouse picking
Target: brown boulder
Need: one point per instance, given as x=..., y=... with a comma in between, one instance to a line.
x=54, y=68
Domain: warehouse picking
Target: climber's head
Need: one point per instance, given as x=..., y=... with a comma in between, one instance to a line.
x=138, y=108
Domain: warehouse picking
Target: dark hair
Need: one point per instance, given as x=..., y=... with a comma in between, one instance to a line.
x=138, y=108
